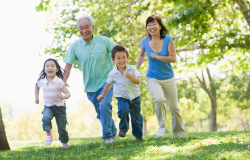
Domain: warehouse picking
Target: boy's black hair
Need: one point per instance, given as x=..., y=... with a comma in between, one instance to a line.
x=59, y=73
x=118, y=48
x=158, y=19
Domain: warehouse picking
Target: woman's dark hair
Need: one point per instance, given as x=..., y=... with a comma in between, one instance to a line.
x=118, y=48
x=158, y=19
x=59, y=73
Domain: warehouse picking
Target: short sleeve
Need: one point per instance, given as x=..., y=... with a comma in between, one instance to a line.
x=143, y=43
x=168, y=39
x=38, y=83
x=110, y=79
x=136, y=72
x=109, y=43
x=61, y=83
x=70, y=55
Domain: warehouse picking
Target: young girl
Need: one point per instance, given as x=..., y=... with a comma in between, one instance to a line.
x=50, y=80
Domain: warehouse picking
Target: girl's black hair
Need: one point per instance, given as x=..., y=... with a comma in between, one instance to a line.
x=158, y=19
x=59, y=73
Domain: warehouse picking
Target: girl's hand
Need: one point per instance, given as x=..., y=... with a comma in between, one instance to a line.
x=127, y=75
x=155, y=56
x=37, y=100
x=60, y=96
x=100, y=97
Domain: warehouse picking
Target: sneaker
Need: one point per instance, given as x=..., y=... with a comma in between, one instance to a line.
x=122, y=133
x=48, y=140
x=65, y=145
x=160, y=133
x=110, y=140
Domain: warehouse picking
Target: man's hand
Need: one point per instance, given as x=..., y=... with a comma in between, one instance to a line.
x=60, y=96
x=37, y=100
x=100, y=97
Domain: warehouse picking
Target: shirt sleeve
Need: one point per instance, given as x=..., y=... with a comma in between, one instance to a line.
x=110, y=44
x=110, y=79
x=38, y=83
x=70, y=55
x=136, y=72
x=61, y=83
x=143, y=43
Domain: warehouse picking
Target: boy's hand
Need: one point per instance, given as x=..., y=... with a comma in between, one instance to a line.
x=60, y=96
x=127, y=75
x=100, y=97
x=37, y=100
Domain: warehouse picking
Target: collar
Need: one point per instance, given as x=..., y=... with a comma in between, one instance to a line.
x=91, y=42
x=54, y=80
x=128, y=68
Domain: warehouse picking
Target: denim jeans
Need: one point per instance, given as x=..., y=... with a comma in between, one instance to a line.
x=125, y=106
x=61, y=119
x=104, y=111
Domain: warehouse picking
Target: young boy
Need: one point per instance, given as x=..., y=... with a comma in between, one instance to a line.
x=125, y=78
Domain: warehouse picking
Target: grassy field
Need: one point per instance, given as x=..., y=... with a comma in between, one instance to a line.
x=209, y=145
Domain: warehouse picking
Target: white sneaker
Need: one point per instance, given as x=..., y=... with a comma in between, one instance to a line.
x=65, y=145
x=48, y=140
x=160, y=133
x=109, y=140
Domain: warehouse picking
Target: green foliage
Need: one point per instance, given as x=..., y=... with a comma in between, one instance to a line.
x=210, y=145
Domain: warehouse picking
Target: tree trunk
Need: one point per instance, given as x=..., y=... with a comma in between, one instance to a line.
x=145, y=132
x=213, y=115
x=4, y=145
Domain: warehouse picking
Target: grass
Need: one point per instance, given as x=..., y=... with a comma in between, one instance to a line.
x=209, y=145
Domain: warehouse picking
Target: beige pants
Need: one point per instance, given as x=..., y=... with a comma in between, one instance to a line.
x=169, y=87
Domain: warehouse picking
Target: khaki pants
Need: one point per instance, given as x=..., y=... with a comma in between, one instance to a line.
x=169, y=87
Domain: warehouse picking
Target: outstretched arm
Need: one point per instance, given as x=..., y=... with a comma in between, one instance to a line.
x=105, y=91
x=140, y=58
x=66, y=74
x=37, y=89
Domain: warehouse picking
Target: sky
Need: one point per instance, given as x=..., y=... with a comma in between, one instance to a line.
x=22, y=34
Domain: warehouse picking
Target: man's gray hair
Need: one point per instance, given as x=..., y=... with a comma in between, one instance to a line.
x=91, y=20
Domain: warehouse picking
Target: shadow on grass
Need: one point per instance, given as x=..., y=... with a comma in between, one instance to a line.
x=129, y=148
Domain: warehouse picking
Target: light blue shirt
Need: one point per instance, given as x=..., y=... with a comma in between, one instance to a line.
x=158, y=69
x=122, y=86
x=94, y=60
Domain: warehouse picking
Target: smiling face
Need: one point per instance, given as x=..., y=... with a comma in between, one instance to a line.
x=85, y=29
x=50, y=69
x=120, y=59
x=153, y=28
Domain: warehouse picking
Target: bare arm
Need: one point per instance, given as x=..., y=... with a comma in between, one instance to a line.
x=172, y=54
x=105, y=91
x=66, y=74
x=37, y=89
x=140, y=58
x=66, y=93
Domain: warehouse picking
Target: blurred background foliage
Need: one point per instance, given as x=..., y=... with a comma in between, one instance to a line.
x=212, y=41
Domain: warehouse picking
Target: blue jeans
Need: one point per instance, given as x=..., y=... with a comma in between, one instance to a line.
x=61, y=120
x=125, y=106
x=104, y=111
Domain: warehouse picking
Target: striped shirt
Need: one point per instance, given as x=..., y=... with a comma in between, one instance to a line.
x=51, y=90
x=124, y=87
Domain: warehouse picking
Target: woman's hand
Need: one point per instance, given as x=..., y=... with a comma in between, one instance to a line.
x=155, y=56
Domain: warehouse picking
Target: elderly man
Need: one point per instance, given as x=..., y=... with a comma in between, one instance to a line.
x=92, y=53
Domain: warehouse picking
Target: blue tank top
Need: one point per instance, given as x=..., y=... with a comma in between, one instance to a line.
x=158, y=69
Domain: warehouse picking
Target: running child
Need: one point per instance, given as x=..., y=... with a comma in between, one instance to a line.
x=125, y=79
x=50, y=80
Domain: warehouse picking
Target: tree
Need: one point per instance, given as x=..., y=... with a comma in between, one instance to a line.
x=206, y=32
x=4, y=145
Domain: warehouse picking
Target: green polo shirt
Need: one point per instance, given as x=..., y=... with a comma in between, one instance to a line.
x=94, y=60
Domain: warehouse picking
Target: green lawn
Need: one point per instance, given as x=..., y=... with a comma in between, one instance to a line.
x=209, y=145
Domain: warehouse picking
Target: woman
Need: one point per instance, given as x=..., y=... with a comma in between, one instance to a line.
x=160, y=50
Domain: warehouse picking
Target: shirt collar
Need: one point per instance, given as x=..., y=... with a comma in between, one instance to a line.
x=128, y=68
x=91, y=42
x=54, y=80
